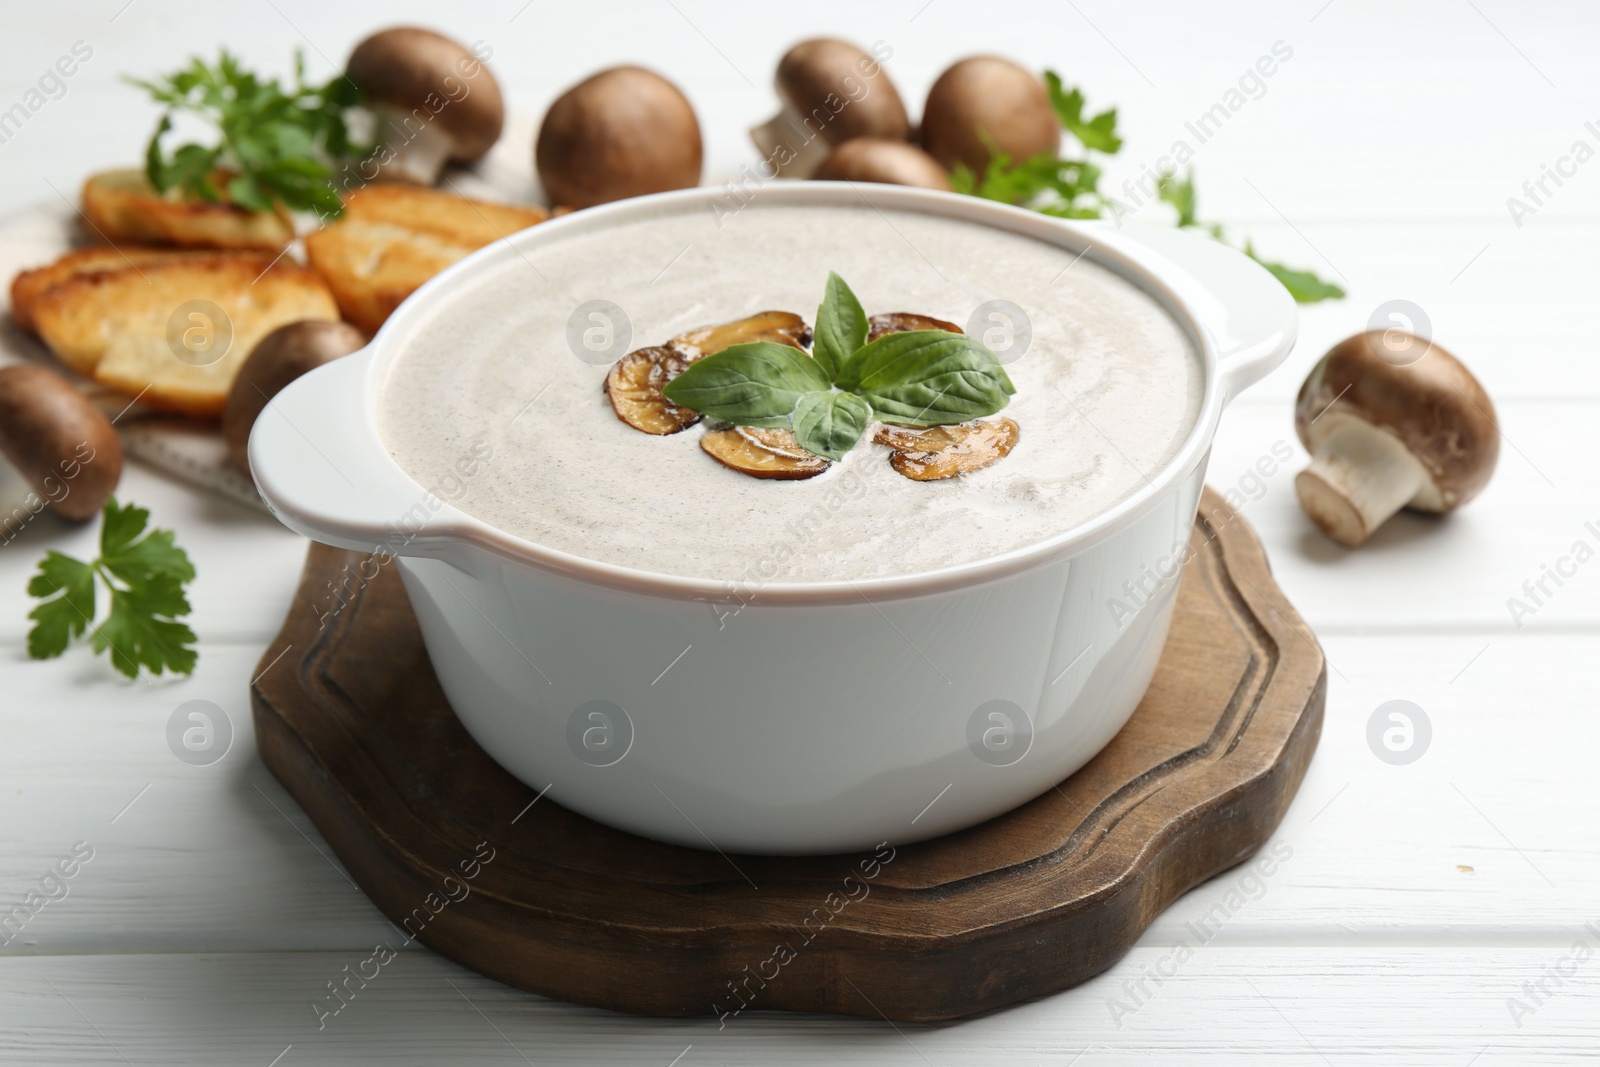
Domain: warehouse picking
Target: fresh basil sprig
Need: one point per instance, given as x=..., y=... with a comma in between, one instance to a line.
x=916, y=378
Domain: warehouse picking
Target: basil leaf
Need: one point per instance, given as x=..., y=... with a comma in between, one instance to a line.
x=830, y=424
x=841, y=326
x=751, y=384
x=928, y=378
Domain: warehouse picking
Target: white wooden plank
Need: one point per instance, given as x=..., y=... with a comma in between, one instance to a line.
x=1420, y=572
x=211, y=858
x=1333, y=1005
x=1458, y=847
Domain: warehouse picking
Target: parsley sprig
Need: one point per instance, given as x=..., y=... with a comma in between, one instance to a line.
x=279, y=144
x=1070, y=188
x=914, y=378
x=1303, y=285
x=1064, y=187
x=144, y=576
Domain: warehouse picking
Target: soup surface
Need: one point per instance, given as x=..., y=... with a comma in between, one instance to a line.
x=487, y=405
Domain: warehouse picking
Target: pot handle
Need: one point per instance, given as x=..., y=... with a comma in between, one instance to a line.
x=323, y=471
x=1251, y=316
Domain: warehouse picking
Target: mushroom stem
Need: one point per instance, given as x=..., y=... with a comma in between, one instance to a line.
x=17, y=498
x=1359, y=476
x=417, y=151
x=807, y=147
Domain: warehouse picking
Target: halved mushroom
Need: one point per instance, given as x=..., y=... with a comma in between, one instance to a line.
x=905, y=322
x=1383, y=435
x=62, y=445
x=986, y=101
x=878, y=159
x=780, y=327
x=946, y=451
x=763, y=453
x=827, y=101
x=634, y=386
x=434, y=101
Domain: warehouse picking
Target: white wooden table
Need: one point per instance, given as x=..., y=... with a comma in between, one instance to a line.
x=1429, y=913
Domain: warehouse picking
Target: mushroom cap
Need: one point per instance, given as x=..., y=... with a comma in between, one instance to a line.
x=1434, y=406
x=878, y=159
x=993, y=95
x=61, y=443
x=278, y=359
x=622, y=132
x=814, y=70
x=409, y=68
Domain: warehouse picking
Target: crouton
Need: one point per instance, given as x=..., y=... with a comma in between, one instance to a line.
x=150, y=330
x=28, y=286
x=392, y=238
x=122, y=206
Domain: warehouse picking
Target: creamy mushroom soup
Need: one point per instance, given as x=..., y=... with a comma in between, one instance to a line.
x=1107, y=391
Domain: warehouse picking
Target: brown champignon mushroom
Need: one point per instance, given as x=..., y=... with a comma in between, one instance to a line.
x=878, y=159
x=61, y=444
x=986, y=100
x=433, y=99
x=1385, y=435
x=278, y=359
x=831, y=92
x=623, y=132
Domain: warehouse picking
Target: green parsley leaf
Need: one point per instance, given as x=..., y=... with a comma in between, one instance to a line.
x=927, y=378
x=144, y=576
x=1180, y=194
x=153, y=558
x=1304, y=286
x=1098, y=133
x=1068, y=188
x=830, y=424
x=755, y=384
x=119, y=526
x=283, y=143
x=58, y=620
x=841, y=326
x=138, y=637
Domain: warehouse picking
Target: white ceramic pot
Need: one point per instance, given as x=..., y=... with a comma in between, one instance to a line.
x=814, y=718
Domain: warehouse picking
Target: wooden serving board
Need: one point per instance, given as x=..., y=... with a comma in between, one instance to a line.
x=484, y=870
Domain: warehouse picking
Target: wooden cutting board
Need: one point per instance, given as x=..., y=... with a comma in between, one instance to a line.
x=484, y=870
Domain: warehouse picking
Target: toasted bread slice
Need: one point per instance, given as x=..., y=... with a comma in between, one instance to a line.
x=123, y=206
x=392, y=238
x=128, y=328
x=30, y=285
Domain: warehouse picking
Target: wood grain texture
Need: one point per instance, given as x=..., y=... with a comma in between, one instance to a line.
x=447, y=844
